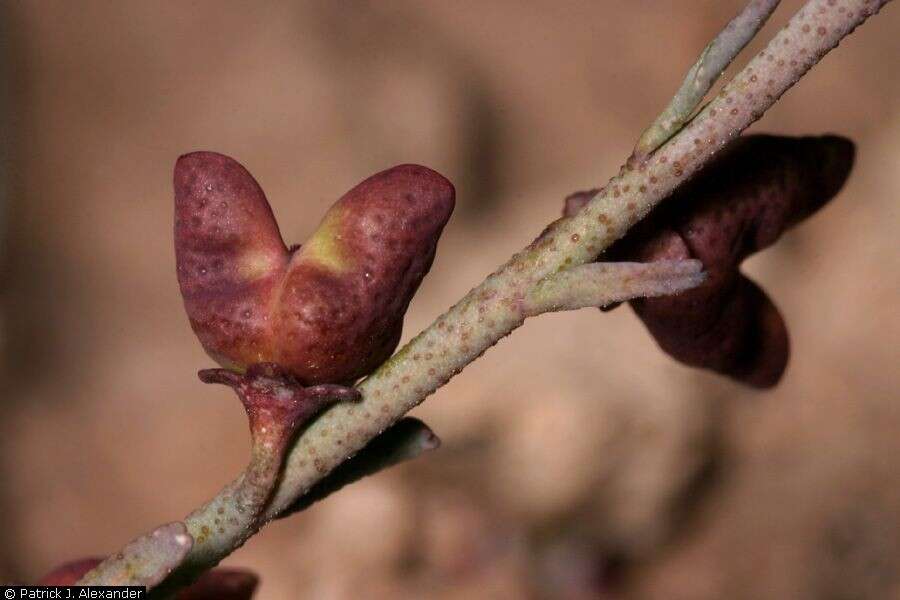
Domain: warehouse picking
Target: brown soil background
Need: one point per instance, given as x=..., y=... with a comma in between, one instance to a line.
x=578, y=460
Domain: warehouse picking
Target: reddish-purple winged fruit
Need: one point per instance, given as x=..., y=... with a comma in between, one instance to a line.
x=332, y=309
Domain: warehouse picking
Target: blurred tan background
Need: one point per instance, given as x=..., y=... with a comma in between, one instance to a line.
x=578, y=460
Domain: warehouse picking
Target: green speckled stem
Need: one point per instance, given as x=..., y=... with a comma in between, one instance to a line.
x=491, y=311
x=144, y=561
x=277, y=407
x=494, y=309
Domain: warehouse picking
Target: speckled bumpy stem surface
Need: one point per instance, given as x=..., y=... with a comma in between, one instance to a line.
x=497, y=306
x=144, y=561
x=492, y=310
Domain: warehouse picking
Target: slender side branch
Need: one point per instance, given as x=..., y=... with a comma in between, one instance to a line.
x=494, y=309
x=714, y=59
x=601, y=284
